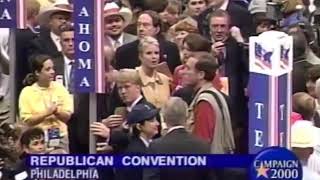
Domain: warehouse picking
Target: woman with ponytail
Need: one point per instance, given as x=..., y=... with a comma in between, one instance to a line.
x=45, y=103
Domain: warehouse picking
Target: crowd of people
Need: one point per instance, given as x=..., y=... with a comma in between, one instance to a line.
x=177, y=73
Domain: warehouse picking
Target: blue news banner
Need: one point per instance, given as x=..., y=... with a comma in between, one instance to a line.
x=270, y=163
x=145, y=161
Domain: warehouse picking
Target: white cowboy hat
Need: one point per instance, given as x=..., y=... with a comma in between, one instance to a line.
x=58, y=6
x=303, y=134
x=112, y=9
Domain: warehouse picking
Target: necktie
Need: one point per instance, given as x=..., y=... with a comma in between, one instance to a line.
x=221, y=61
x=71, y=77
x=116, y=44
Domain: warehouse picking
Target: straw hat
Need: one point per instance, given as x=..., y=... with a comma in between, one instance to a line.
x=112, y=9
x=58, y=6
x=303, y=134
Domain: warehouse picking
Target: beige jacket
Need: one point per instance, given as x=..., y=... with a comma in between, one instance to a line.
x=223, y=139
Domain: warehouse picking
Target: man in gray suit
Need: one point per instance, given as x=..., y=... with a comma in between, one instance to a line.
x=116, y=19
x=177, y=141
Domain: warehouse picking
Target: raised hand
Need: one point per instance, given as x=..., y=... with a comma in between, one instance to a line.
x=113, y=121
x=99, y=129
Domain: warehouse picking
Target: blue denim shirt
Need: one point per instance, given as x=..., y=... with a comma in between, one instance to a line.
x=294, y=18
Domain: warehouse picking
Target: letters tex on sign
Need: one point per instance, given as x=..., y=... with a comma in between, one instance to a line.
x=270, y=90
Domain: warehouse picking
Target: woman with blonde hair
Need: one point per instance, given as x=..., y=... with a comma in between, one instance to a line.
x=155, y=85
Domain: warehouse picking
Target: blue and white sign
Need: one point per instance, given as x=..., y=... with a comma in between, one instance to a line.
x=8, y=14
x=276, y=163
x=88, y=19
x=270, y=90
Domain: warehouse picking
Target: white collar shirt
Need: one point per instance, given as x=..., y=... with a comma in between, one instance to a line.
x=56, y=40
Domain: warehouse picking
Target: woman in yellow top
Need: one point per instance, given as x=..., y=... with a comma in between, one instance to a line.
x=45, y=103
x=155, y=85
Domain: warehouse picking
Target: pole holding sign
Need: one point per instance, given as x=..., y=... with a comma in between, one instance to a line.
x=270, y=90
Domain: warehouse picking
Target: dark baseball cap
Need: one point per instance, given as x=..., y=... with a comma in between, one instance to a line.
x=142, y=112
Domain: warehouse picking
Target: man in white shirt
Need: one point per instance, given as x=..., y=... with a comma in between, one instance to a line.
x=65, y=63
x=303, y=140
x=129, y=89
x=240, y=17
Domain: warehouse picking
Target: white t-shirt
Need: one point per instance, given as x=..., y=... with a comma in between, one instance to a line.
x=314, y=159
x=308, y=174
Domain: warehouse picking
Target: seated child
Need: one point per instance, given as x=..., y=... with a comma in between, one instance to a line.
x=32, y=141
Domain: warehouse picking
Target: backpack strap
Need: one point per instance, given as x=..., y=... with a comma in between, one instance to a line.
x=218, y=100
x=230, y=143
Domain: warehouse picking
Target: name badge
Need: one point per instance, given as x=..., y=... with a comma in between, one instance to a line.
x=54, y=137
x=59, y=79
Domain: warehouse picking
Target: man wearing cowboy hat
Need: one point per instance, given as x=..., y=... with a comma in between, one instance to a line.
x=116, y=19
x=303, y=140
x=53, y=17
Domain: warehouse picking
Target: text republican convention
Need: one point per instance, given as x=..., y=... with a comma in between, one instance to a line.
x=117, y=161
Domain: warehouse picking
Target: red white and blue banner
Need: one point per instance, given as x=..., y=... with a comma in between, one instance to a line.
x=89, y=30
x=12, y=14
x=270, y=90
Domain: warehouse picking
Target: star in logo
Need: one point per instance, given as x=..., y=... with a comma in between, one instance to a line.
x=262, y=171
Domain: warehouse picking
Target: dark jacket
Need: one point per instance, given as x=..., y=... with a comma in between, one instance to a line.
x=78, y=125
x=237, y=71
x=127, y=56
x=136, y=146
x=21, y=166
x=44, y=45
x=120, y=139
x=178, y=141
x=300, y=67
x=240, y=17
x=59, y=68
